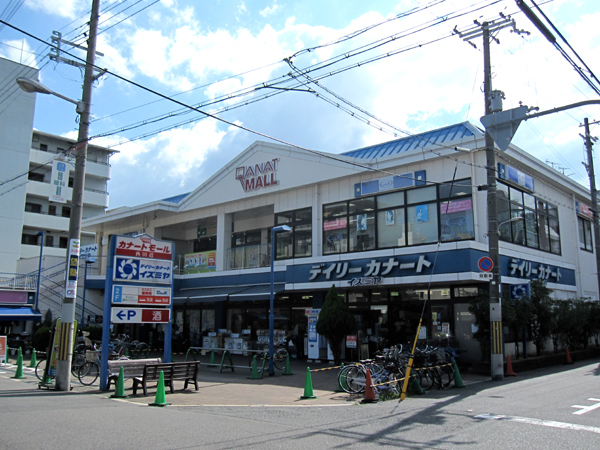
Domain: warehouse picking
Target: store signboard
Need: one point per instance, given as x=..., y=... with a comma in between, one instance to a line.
x=3, y=349
x=142, y=270
x=144, y=246
x=141, y=295
x=140, y=315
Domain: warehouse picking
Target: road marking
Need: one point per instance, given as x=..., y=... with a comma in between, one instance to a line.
x=585, y=409
x=544, y=423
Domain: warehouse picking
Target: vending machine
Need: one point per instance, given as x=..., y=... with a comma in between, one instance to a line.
x=318, y=348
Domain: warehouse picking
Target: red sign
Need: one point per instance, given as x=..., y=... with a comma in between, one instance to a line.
x=335, y=224
x=3, y=348
x=351, y=341
x=144, y=246
x=485, y=264
x=155, y=316
x=456, y=206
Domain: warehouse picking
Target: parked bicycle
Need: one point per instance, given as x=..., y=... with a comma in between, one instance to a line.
x=280, y=355
x=124, y=346
x=88, y=372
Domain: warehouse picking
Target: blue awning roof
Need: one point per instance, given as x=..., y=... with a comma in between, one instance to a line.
x=431, y=138
x=19, y=313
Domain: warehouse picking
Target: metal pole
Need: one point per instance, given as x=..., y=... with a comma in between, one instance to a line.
x=592, y=176
x=497, y=353
x=37, y=293
x=271, y=315
x=65, y=348
x=84, y=290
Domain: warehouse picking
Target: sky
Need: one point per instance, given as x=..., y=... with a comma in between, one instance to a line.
x=302, y=72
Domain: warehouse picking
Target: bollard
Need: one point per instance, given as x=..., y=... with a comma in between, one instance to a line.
x=211, y=363
x=33, y=361
x=458, y=382
x=308, y=388
x=19, y=373
x=120, y=386
x=160, y=399
x=287, y=370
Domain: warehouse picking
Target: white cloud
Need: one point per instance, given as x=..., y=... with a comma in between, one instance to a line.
x=18, y=51
x=269, y=10
x=70, y=9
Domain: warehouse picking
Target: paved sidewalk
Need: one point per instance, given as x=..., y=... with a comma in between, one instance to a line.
x=235, y=388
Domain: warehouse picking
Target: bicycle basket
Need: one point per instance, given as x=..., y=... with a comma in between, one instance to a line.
x=91, y=355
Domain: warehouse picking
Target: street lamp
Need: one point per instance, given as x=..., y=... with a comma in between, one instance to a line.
x=65, y=347
x=37, y=293
x=87, y=262
x=30, y=85
x=274, y=230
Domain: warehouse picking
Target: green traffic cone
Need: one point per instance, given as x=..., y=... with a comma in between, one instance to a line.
x=308, y=388
x=127, y=352
x=458, y=382
x=415, y=386
x=120, y=386
x=211, y=363
x=160, y=399
x=287, y=369
x=19, y=372
x=254, y=375
x=33, y=361
x=341, y=382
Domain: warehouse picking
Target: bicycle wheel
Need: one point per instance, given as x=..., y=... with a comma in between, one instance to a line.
x=279, y=359
x=426, y=378
x=356, y=379
x=142, y=350
x=78, y=361
x=88, y=373
x=39, y=369
x=446, y=373
x=343, y=379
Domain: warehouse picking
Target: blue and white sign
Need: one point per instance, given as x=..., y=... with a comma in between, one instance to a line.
x=143, y=270
x=520, y=290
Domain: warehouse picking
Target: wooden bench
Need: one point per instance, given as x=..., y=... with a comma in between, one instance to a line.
x=131, y=368
x=185, y=371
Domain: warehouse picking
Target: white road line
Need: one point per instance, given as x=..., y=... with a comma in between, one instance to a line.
x=544, y=423
x=585, y=409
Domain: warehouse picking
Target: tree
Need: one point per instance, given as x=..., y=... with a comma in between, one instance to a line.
x=541, y=314
x=335, y=322
x=480, y=308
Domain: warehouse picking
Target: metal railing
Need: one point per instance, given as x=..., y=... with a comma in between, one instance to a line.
x=18, y=281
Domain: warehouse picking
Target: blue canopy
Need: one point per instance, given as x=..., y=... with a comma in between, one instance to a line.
x=18, y=313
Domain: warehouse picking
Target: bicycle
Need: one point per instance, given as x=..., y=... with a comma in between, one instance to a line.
x=280, y=356
x=88, y=373
x=126, y=347
x=77, y=361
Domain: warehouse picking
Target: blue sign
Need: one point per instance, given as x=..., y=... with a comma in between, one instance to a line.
x=145, y=270
x=520, y=290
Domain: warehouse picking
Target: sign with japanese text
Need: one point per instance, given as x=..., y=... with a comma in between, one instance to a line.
x=141, y=295
x=88, y=252
x=3, y=349
x=351, y=341
x=144, y=246
x=72, y=266
x=376, y=270
x=140, y=315
x=200, y=262
x=584, y=210
x=141, y=270
x=59, y=181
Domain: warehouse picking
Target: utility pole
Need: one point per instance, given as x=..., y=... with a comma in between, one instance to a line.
x=497, y=354
x=590, y=170
x=493, y=104
x=65, y=347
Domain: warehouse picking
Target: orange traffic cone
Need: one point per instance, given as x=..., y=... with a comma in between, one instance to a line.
x=509, y=370
x=569, y=360
x=370, y=396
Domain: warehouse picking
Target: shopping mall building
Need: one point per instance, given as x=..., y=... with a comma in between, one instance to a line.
x=399, y=228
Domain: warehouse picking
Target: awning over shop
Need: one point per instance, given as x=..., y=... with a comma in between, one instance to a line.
x=205, y=295
x=256, y=293
x=19, y=313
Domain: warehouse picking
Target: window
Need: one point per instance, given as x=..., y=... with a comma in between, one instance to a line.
x=29, y=239
x=52, y=210
x=34, y=176
x=33, y=207
x=585, y=234
x=298, y=242
x=63, y=242
x=71, y=181
x=66, y=211
x=526, y=220
x=242, y=238
x=49, y=241
x=44, y=147
x=409, y=217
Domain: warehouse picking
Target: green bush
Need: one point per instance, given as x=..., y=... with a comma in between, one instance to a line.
x=41, y=338
x=335, y=322
x=95, y=332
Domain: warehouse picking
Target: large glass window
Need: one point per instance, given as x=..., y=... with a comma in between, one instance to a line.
x=585, y=234
x=298, y=242
x=410, y=217
x=526, y=220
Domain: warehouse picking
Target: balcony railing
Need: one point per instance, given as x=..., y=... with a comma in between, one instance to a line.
x=18, y=282
x=249, y=257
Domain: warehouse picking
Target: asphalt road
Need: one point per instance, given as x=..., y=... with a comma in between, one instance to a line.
x=546, y=409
